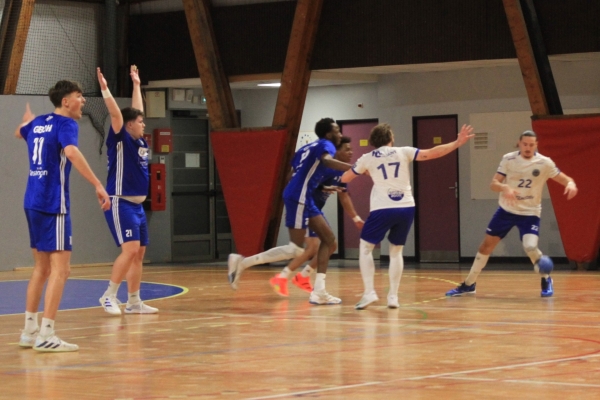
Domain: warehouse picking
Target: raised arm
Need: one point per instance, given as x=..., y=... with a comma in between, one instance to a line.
x=27, y=118
x=81, y=164
x=466, y=133
x=116, y=119
x=136, y=96
x=569, y=184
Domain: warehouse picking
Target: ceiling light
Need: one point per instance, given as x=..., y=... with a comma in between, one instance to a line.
x=276, y=84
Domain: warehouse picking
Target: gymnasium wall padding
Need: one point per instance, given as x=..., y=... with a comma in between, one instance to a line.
x=249, y=163
x=573, y=143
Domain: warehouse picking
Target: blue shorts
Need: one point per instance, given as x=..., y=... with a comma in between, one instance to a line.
x=127, y=221
x=297, y=214
x=396, y=220
x=49, y=232
x=503, y=221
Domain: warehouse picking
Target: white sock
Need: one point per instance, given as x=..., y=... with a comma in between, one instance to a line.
x=307, y=271
x=47, y=327
x=319, y=282
x=112, y=289
x=367, y=265
x=133, y=298
x=396, y=268
x=31, y=322
x=285, y=273
x=478, y=264
x=275, y=254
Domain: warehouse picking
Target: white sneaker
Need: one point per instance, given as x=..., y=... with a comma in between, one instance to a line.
x=52, y=344
x=140, y=308
x=322, y=298
x=234, y=271
x=367, y=299
x=393, y=302
x=110, y=304
x=28, y=339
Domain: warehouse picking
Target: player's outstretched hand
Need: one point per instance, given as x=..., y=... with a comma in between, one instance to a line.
x=28, y=115
x=466, y=133
x=101, y=79
x=570, y=190
x=135, y=75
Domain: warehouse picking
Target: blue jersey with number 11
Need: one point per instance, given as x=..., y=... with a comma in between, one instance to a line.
x=48, y=185
x=308, y=170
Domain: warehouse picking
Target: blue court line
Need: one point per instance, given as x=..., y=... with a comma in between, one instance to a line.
x=80, y=293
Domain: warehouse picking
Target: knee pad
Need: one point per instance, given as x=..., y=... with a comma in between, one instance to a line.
x=396, y=250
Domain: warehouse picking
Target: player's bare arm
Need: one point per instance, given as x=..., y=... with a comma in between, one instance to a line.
x=569, y=184
x=348, y=207
x=116, y=119
x=332, y=163
x=465, y=134
x=136, y=97
x=498, y=185
x=28, y=116
x=81, y=164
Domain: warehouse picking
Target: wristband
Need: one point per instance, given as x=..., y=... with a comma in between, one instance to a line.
x=571, y=183
x=106, y=94
x=357, y=218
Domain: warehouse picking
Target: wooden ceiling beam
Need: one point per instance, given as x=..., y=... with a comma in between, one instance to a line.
x=526, y=57
x=14, y=28
x=292, y=95
x=219, y=100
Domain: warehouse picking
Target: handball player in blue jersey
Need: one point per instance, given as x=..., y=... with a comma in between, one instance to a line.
x=392, y=203
x=52, y=149
x=127, y=185
x=308, y=168
x=332, y=183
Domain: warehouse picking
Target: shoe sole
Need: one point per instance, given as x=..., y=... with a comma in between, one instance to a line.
x=459, y=294
x=393, y=306
x=55, y=350
x=26, y=345
x=324, y=304
x=232, y=273
x=365, y=305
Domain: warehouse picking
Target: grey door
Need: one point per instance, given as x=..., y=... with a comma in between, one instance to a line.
x=200, y=224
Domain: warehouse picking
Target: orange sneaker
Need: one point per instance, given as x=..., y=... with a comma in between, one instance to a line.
x=302, y=282
x=279, y=285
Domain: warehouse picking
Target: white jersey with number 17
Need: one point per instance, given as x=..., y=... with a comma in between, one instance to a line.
x=389, y=169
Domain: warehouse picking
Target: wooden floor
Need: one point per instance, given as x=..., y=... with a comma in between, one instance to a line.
x=505, y=342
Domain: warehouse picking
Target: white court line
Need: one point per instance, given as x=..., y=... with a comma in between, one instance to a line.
x=447, y=375
x=278, y=396
x=530, y=382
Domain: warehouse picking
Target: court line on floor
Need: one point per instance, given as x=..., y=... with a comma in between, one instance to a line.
x=447, y=375
x=522, y=381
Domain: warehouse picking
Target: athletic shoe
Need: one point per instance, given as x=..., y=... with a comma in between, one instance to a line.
x=234, y=270
x=279, y=285
x=547, y=287
x=110, y=304
x=302, y=282
x=461, y=289
x=140, y=308
x=393, y=302
x=52, y=344
x=367, y=299
x=323, y=298
x=28, y=339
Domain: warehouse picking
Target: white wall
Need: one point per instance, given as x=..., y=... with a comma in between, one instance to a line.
x=395, y=99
